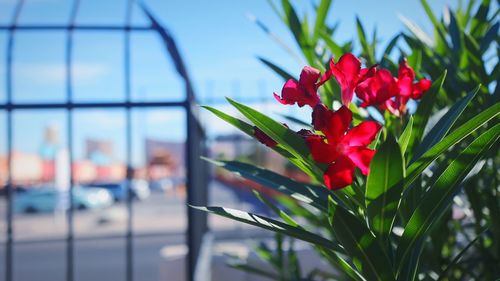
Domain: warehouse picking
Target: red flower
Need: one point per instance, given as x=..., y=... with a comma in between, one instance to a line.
x=341, y=148
x=348, y=73
x=375, y=90
x=407, y=89
x=303, y=91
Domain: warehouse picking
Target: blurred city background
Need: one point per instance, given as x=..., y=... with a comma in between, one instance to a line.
x=219, y=43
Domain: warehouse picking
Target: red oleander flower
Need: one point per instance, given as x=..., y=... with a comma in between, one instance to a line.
x=378, y=88
x=407, y=89
x=303, y=91
x=341, y=148
x=348, y=73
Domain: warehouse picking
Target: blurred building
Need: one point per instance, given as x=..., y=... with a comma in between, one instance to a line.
x=164, y=158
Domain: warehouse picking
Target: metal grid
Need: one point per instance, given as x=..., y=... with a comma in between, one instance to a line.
x=195, y=146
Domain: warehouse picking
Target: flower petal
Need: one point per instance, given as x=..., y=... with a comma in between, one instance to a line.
x=363, y=134
x=376, y=89
x=405, y=71
x=420, y=87
x=320, y=150
x=347, y=74
x=308, y=78
x=337, y=124
x=361, y=157
x=293, y=92
x=339, y=174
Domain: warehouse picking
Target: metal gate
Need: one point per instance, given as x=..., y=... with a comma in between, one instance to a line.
x=195, y=144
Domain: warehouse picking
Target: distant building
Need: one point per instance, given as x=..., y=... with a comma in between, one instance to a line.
x=99, y=151
x=164, y=158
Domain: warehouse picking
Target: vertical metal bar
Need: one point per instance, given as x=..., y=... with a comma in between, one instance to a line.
x=70, y=241
x=129, y=263
x=9, y=249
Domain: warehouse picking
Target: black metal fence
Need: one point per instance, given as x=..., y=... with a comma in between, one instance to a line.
x=195, y=169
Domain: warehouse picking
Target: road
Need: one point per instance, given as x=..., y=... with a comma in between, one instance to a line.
x=40, y=248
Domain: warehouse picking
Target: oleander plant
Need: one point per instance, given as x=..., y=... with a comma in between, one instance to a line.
x=409, y=193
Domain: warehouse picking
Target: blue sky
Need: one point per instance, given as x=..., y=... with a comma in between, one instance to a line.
x=218, y=42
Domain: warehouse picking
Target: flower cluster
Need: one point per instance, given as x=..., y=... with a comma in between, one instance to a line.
x=334, y=143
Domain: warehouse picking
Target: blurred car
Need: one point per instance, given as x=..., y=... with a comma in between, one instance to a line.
x=47, y=199
x=139, y=189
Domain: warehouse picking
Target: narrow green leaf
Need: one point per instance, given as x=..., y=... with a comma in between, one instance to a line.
x=340, y=263
x=382, y=193
x=310, y=194
x=296, y=120
x=321, y=13
x=365, y=46
x=457, y=258
x=435, y=22
x=239, y=124
x=440, y=195
x=415, y=169
x=424, y=110
x=404, y=139
x=293, y=22
x=443, y=126
x=290, y=141
x=282, y=73
x=270, y=224
x=335, y=48
x=489, y=37
x=455, y=34
x=284, y=216
x=419, y=34
x=359, y=243
x=390, y=46
x=249, y=130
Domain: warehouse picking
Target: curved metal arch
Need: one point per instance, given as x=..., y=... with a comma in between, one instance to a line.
x=197, y=192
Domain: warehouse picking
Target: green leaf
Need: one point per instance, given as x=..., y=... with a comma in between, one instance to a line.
x=321, y=13
x=444, y=124
x=285, y=75
x=340, y=263
x=296, y=120
x=287, y=138
x=415, y=169
x=437, y=25
x=249, y=130
x=284, y=216
x=440, y=195
x=457, y=258
x=359, y=243
x=424, y=110
x=389, y=48
x=310, y=194
x=455, y=34
x=404, y=139
x=239, y=124
x=365, y=46
x=270, y=224
x=382, y=194
x=490, y=36
x=335, y=48
x=293, y=22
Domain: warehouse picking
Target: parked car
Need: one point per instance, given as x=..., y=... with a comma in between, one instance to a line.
x=139, y=189
x=46, y=199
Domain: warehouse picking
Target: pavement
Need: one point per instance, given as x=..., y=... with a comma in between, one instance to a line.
x=158, y=221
